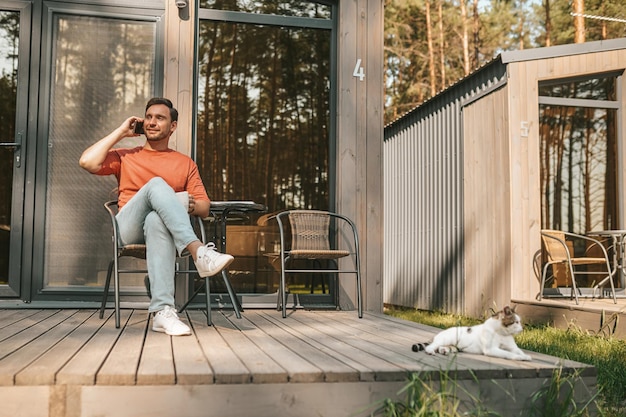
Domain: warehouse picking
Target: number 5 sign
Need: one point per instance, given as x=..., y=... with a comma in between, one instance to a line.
x=358, y=70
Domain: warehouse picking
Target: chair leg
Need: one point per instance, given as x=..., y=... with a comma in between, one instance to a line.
x=207, y=287
x=193, y=296
x=107, y=284
x=116, y=288
x=283, y=294
x=321, y=275
x=233, y=296
x=359, y=295
x=613, y=289
x=601, y=284
x=543, y=282
x=574, y=289
x=146, y=283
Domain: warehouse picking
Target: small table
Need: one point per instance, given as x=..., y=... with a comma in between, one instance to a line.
x=222, y=209
x=618, y=237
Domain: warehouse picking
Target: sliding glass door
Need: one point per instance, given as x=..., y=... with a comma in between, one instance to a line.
x=265, y=130
x=14, y=62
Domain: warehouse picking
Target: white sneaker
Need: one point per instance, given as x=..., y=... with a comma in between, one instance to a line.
x=167, y=321
x=210, y=262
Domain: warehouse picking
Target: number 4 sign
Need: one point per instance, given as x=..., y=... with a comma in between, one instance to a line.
x=358, y=70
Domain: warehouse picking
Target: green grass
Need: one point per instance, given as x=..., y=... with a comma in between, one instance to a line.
x=607, y=354
x=428, y=395
x=434, y=319
x=425, y=399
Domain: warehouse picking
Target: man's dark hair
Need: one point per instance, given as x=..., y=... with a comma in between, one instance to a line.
x=160, y=100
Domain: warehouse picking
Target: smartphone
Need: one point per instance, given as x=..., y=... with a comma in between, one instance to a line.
x=139, y=127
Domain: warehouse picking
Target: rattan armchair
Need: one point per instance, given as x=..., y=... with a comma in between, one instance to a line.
x=559, y=247
x=319, y=236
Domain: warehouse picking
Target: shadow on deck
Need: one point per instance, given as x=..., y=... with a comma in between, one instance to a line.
x=69, y=363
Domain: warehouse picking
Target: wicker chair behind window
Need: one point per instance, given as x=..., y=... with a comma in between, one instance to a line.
x=312, y=237
x=560, y=253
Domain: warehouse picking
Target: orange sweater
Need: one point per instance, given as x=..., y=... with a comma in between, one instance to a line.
x=134, y=167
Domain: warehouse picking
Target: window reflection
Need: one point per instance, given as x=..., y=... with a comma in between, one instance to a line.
x=102, y=72
x=264, y=130
x=9, y=42
x=275, y=7
x=595, y=88
x=264, y=114
x=579, y=159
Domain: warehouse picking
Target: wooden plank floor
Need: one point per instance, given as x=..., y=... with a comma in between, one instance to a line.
x=73, y=351
x=593, y=315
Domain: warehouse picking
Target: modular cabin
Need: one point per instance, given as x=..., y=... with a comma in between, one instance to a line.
x=532, y=140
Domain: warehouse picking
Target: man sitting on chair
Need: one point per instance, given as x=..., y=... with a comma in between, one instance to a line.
x=149, y=177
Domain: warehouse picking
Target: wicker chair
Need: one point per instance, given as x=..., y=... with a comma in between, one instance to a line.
x=559, y=250
x=312, y=232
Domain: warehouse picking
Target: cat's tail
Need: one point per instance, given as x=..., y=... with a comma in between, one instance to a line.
x=418, y=347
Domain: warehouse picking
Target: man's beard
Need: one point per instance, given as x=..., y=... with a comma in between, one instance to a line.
x=156, y=138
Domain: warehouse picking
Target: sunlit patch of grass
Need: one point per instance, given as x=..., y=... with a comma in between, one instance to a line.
x=434, y=319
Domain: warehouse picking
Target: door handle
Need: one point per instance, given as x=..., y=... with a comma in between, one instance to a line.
x=17, y=145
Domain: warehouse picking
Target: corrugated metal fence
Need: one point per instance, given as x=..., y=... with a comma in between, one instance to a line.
x=423, y=170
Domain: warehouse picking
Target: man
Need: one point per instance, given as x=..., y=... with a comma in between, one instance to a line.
x=149, y=177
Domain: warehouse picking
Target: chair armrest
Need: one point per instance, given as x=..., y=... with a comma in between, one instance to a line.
x=589, y=239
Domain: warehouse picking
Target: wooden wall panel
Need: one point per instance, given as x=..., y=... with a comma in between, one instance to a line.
x=525, y=196
x=371, y=212
x=487, y=204
x=179, y=69
x=351, y=107
x=360, y=139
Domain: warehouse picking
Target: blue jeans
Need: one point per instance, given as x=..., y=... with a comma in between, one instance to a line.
x=154, y=216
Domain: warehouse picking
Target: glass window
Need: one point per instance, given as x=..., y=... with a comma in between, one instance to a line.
x=275, y=7
x=264, y=114
x=264, y=126
x=102, y=72
x=579, y=162
x=594, y=88
x=9, y=42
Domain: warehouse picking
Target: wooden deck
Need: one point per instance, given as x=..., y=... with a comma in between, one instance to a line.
x=593, y=315
x=66, y=363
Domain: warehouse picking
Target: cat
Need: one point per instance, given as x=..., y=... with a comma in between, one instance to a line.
x=494, y=338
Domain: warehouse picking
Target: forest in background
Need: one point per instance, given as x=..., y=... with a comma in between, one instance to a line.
x=431, y=44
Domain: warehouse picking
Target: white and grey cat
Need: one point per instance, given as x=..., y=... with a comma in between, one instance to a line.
x=494, y=338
